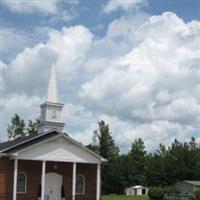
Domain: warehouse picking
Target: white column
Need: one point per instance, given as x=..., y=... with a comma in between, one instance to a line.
x=98, y=190
x=15, y=179
x=43, y=180
x=74, y=182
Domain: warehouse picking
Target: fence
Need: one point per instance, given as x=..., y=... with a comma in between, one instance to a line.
x=177, y=197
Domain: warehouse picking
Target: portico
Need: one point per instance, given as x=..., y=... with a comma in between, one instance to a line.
x=57, y=170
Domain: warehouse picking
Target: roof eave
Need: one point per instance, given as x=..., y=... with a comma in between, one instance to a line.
x=23, y=142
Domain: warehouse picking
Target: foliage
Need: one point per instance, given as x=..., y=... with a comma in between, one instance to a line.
x=138, y=160
x=158, y=192
x=32, y=126
x=104, y=145
x=170, y=190
x=18, y=129
x=196, y=194
x=108, y=149
x=180, y=161
x=164, y=167
x=155, y=193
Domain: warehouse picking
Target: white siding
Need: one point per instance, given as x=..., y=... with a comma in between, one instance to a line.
x=58, y=149
x=136, y=191
x=130, y=191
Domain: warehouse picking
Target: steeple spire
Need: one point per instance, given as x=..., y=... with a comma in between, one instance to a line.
x=51, y=110
x=52, y=90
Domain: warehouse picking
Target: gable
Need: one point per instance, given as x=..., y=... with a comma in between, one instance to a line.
x=21, y=143
x=59, y=148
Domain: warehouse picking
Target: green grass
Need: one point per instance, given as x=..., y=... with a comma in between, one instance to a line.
x=123, y=197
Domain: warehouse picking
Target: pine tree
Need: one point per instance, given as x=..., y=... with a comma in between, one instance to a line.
x=138, y=159
x=107, y=146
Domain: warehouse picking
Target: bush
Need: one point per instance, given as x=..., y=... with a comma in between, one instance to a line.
x=156, y=193
x=170, y=190
x=196, y=194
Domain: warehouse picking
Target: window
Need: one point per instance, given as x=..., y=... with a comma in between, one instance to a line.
x=80, y=184
x=21, y=182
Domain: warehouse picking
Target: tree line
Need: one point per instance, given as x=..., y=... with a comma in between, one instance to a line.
x=164, y=167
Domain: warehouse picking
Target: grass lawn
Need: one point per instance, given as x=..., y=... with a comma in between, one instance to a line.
x=123, y=197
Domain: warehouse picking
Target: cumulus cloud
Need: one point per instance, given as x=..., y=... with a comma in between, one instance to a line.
x=114, y=5
x=15, y=40
x=132, y=86
x=142, y=78
x=29, y=71
x=155, y=84
x=152, y=133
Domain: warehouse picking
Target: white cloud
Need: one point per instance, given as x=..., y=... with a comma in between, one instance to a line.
x=159, y=61
x=77, y=117
x=15, y=40
x=65, y=48
x=32, y=6
x=114, y=5
x=55, y=10
x=142, y=78
x=125, y=133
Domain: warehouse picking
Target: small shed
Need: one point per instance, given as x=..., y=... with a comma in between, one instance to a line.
x=187, y=186
x=137, y=190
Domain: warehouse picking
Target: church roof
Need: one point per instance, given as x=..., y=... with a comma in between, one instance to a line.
x=11, y=147
x=6, y=146
x=195, y=183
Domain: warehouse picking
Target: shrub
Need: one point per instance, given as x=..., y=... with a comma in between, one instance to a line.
x=170, y=190
x=155, y=193
x=196, y=194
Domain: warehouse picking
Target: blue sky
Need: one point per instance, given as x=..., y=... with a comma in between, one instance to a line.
x=132, y=63
x=88, y=13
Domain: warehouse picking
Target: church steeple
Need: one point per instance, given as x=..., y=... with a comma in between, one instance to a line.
x=52, y=90
x=51, y=109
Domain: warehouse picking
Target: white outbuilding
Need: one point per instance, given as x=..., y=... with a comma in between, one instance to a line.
x=136, y=190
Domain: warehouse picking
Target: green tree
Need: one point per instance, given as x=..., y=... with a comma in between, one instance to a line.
x=180, y=161
x=94, y=146
x=138, y=160
x=138, y=149
x=104, y=145
x=107, y=146
x=17, y=128
x=32, y=127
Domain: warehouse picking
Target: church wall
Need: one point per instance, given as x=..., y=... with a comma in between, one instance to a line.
x=89, y=172
x=6, y=177
x=33, y=172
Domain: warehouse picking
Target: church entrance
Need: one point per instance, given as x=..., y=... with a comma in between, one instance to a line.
x=53, y=185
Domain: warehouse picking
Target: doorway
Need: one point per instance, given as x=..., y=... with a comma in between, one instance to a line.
x=53, y=185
